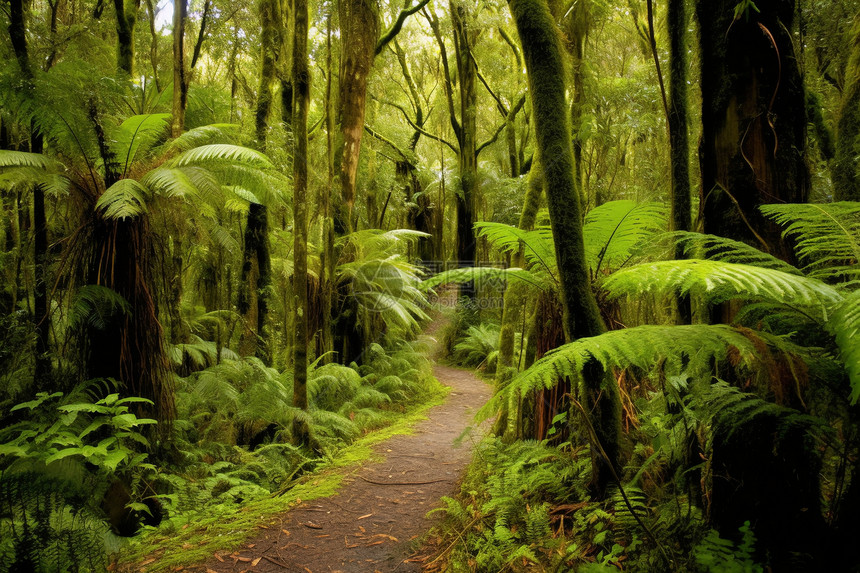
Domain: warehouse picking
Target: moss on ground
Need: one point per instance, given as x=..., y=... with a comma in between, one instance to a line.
x=225, y=528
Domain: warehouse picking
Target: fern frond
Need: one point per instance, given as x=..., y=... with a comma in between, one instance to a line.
x=613, y=230
x=826, y=237
x=24, y=159
x=845, y=326
x=717, y=282
x=537, y=245
x=95, y=305
x=205, y=135
x=641, y=347
x=484, y=276
x=222, y=153
x=715, y=248
x=170, y=182
x=124, y=199
x=138, y=132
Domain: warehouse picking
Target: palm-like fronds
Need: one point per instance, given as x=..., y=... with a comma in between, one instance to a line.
x=126, y=198
x=826, y=237
x=845, y=327
x=718, y=282
x=641, y=347
x=712, y=247
x=615, y=229
x=138, y=133
x=538, y=247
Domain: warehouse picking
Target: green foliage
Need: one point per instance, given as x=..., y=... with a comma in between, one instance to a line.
x=478, y=347
x=54, y=465
x=717, y=555
x=826, y=238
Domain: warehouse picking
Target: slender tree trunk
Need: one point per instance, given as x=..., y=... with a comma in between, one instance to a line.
x=153, y=44
x=846, y=167
x=752, y=150
x=180, y=77
x=542, y=52
x=301, y=102
x=467, y=136
x=359, y=30
x=41, y=319
x=126, y=18
x=326, y=339
x=678, y=141
x=514, y=301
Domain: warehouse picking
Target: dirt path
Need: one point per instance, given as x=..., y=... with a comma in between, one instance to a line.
x=373, y=523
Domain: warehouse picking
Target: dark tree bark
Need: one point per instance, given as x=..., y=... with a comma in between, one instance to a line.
x=301, y=102
x=542, y=52
x=153, y=44
x=180, y=73
x=753, y=145
x=678, y=140
x=126, y=18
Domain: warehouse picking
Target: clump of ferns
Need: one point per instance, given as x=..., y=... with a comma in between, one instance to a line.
x=478, y=347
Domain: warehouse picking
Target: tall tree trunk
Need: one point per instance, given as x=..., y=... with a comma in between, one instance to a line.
x=514, y=300
x=326, y=338
x=180, y=77
x=153, y=44
x=542, y=52
x=359, y=30
x=301, y=102
x=466, y=135
x=41, y=319
x=678, y=141
x=753, y=143
x=126, y=18
x=846, y=166
x=253, y=295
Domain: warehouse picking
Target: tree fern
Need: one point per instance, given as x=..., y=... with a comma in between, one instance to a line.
x=125, y=199
x=138, y=133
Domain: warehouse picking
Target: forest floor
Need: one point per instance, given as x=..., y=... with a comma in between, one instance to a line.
x=377, y=520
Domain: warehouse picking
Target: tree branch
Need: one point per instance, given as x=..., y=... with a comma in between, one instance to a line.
x=388, y=142
x=398, y=24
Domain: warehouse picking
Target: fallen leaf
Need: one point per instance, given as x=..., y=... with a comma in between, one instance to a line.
x=148, y=561
x=211, y=571
x=219, y=558
x=255, y=561
x=286, y=532
x=374, y=543
x=364, y=516
x=361, y=529
x=312, y=525
x=187, y=546
x=244, y=559
x=251, y=545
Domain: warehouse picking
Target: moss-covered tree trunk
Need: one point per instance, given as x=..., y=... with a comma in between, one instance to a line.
x=753, y=145
x=126, y=18
x=466, y=135
x=326, y=339
x=180, y=73
x=514, y=309
x=253, y=296
x=301, y=101
x=543, y=55
x=678, y=141
x=846, y=165
x=359, y=31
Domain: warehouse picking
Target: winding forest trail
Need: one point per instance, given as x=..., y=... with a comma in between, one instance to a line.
x=373, y=523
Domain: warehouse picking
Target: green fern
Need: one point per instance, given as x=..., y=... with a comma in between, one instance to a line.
x=826, y=237
x=844, y=324
x=613, y=231
x=718, y=281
